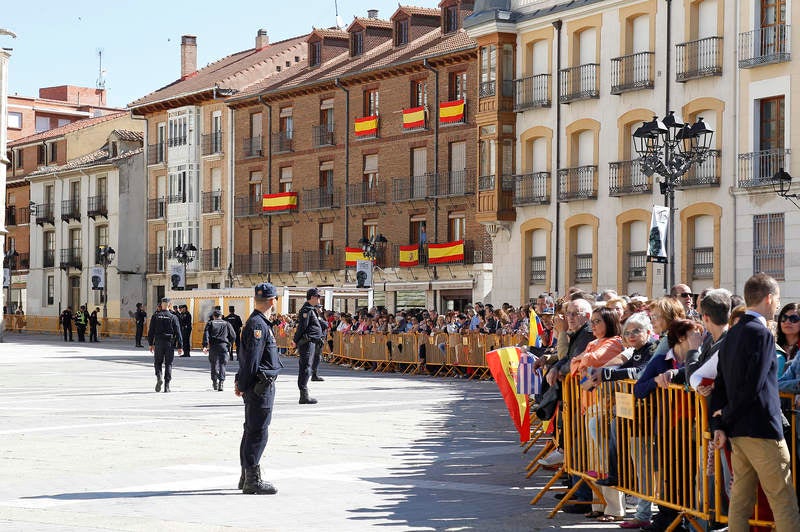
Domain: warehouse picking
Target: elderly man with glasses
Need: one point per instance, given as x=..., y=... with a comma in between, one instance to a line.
x=684, y=294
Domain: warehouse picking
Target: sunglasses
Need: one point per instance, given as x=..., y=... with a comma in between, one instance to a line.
x=686, y=294
x=632, y=332
x=794, y=318
x=596, y=321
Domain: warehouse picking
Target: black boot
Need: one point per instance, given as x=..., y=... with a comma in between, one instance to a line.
x=241, y=480
x=166, y=387
x=317, y=378
x=214, y=383
x=219, y=386
x=159, y=382
x=253, y=485
x=305, y=399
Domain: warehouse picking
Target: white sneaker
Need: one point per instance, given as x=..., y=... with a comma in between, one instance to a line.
x=553, y=459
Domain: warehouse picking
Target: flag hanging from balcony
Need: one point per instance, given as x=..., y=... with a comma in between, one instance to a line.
x=414, y=118
x=285, y=201
x=656, y=248
x=446, y=252
x=353, y=255
x=451, y=112
x=366, y=126
x=409, y=256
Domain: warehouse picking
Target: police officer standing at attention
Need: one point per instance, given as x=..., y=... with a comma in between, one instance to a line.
x=164, y=327
x=217, y=339
x=81, y=321
x=66, y=323
x=139, y=316
x=259, y=366
x=309, y=337
x=185, y=318
x=236, y=323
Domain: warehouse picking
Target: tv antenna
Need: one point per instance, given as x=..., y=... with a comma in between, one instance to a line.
x=339, y=21
x=101, y=74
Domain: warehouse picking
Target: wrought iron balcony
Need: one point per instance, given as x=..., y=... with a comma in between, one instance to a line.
x=45, y=214
x=70, y=258
x=698, y=59
x=156, y=153
x=176, y=140
x=578, y=183
x=156, y=262
x=17, y=262
x=98, y=206
x=323, y=135
x=538, y=267
x=11, y=215
x=413, y=188
x=584, y=269
x=318, y=199
x=319, y=260
x=282, y=142
x=637, y=265
x=156, y=208
x=212, y=143
x=532, y=92
x=579, y=83
x=486, y=183
x=248, y=206
x=771, y=44
x=632, y=72
x=70, y=210
x=49, y=258
x=705, y=174
x=211, y=259
x=286, y=262
x=759, y=168
x=627, y=177
x=532, y=189
x=250, y=263
x=212, y=201
x=364, y=194
x=454, y=183
x=253, y=147
x=488, y=89
x=176, y=198
x=702, y=263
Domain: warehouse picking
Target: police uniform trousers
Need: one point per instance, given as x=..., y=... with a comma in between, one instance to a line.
x=217, y=359
x=139, y=333
x=164, y=356
x=81, y=332
x=187, y=341
x=92, y=333
x=257, y=416
x=307, y=354
x=68, y=331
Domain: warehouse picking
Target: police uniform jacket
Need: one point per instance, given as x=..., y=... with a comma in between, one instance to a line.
x=140, y=316
x=185, y=320
x=235, y=321
x=258, y=351
x=218, y=336
x=310, y=324
x=164, y=328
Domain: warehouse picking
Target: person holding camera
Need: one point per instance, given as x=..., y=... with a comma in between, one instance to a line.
x=309, y=337
x=164, y=328
x=259, y=366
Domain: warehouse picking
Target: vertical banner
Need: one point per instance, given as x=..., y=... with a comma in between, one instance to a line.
x=97, y=278
x=176, y=276
x=657, y=239
x=6, y=278
x=363, y=274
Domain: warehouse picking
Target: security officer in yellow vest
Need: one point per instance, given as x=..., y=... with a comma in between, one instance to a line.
x=218, y=336
x=81, y=321
x=259, y=366
x=309, y=337
x=164, y=329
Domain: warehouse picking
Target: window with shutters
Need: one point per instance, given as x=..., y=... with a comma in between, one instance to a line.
x=326, y=238
x=768, y=245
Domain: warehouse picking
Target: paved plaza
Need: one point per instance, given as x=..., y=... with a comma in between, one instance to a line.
x=87, y=444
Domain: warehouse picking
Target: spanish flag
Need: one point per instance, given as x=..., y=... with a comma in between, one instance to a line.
x=447, y=252
x=366, y=126
x=535, y=330
x=351, y=255
x=504, y=364
x=451, y=112
x=285, y=201
x=409, y=256
x=414, y=118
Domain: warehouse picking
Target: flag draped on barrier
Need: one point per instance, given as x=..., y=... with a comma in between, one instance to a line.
x=504, y=365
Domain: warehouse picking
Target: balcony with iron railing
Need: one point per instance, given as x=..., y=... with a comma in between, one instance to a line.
x=70, y=210
x=45, y=214
x=637, y=265
x=323, y=135
x=579, y=83
x=212, y=143
x=320, y=260
x=584, y=267
x=419, y=187
x=762, y=46
x=532, y=92
x=454, y=183
x=627, y=177
x=322, y=198
x=698, y=59
x=156, y=262
x=759, y=168
x=705, y=174
x=286, y=262
x=702, y=263
x=156, y=153
x=70, y=258
x=97, y=206
x=156, y=208
x=632, y=72
x=211, y=259
x=248, y=206
x=282, y=142
x=176, y=198
x=49, y=258
x=20, y=262
x=361, y=194
x=11, y=215
x=486, y=183
x=538, y=266
x=177, y=140
x=577, y=183
x=488, y=89
x=212, y=202
x=532, y=189
x=253, y=147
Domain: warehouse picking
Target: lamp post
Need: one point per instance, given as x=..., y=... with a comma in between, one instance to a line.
x=373, y=246
x=669, y=148
x=782, y=183
x=185, y=254
x=106, y=255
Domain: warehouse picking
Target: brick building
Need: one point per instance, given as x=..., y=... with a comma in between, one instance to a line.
x=372, y=136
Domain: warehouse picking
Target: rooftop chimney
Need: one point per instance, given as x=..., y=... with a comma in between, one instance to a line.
x=188, y=55
x=262, y=39
x=372, y=13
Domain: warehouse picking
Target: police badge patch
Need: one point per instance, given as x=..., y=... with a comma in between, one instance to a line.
x=257, y=333
x=305, y=315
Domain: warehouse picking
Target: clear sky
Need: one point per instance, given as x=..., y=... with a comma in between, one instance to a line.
x=57, y=41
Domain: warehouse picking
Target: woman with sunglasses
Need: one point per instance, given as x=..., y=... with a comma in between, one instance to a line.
x=788, y=333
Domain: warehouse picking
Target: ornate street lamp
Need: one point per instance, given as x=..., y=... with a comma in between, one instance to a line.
x=670, y=148
x=782, y=183
x=372, y=247
x=185, y=254
x=106, y=255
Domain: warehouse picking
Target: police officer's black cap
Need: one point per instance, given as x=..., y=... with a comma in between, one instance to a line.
x=231, y=308
x=217, y=307
x=183, y=306
x=165, y=300
x=217, y=313
x=265, y=291
x=313, y=292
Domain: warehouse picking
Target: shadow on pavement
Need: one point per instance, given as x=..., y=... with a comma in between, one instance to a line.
x=100, y=495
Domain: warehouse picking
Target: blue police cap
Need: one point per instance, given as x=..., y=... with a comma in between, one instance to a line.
x=265, y=291
x=313, y=292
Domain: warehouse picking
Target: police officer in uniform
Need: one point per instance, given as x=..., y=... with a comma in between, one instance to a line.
x=66, y=323
x=81, y=321
x=217, y=339
x=139, y=316
x=236, y=323
x=259, y=366
x=309, y=337
x=185, y=318
x=164, y=327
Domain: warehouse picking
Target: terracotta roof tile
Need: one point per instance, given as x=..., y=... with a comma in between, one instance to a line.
x=416, y=10
x=330, y=33
x=69, y=128
x=126, y=134
x=372, y=23
x=95, y=158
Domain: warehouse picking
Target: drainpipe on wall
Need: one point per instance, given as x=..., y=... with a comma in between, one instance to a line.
x=435, y=147
x=269, y=177
x=230, y=215
x=346, y=160
x=668, y=56
x=554, y=288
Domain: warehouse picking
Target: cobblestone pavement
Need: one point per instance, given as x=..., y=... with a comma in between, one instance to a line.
x=87, y=444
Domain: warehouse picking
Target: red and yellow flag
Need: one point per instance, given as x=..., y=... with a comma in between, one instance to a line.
x=409, y=256
x=504, y=364
x=451, y=112
x=351, y=255
x=366, y=126
x=285, y=201
x=414, y=118
x=447, y=252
